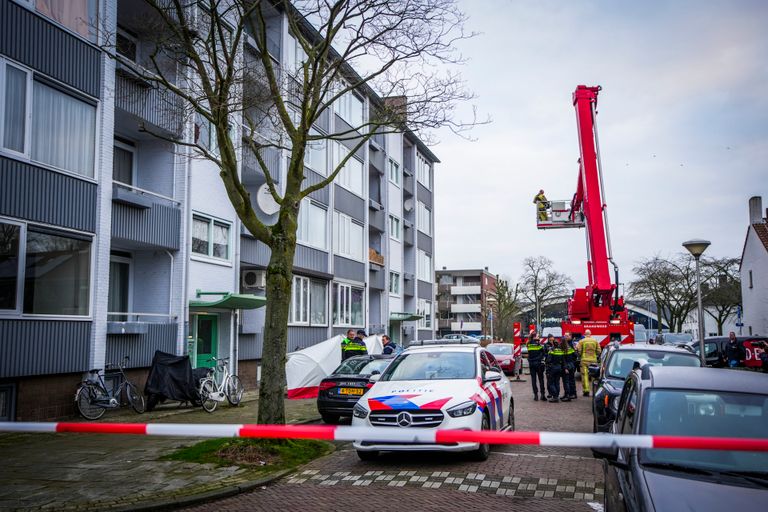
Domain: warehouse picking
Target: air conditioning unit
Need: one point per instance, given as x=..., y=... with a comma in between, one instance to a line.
x=251, y=279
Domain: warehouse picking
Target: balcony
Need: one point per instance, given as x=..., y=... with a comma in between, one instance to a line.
x=409, y=235
x=465, y=308
x=375, y=257
x=407, y=184
x=376, y=216
x=409, y=285
x=140, y=338
x=148, y=103
x=142, y=219
x=465, y=290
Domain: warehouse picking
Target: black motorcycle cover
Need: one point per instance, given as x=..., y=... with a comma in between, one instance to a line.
x=171, y=378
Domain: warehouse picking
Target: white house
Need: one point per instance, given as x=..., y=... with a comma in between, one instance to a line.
x=754, y=271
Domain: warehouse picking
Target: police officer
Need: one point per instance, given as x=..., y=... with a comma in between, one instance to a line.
x=569, y=369
x=536, y=366
x=589, y=349
x=555, y=363
x=353, y=345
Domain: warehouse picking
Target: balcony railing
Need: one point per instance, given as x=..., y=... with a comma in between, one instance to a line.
x=145, y=217
x=375, y=257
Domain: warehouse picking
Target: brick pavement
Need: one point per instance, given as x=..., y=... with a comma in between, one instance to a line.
x=520, y=477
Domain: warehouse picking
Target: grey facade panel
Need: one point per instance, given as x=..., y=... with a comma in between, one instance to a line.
x=43, y=347
x=347, y=202
x=156, y=226
x=409, y=287
x=324, y=120
x=253, y=252
x=425, y=242
x=376, y=220
x=425, y=334
x=154, y=104
x=348, y=269
x=408, y=235
x=424, y=195
x=378, y=161
x=38, y=43
x=408, y=184
x=303, y=337
x=341, y=331
x=341, y=126
x=426, y=290
x=376, y=279
x=312, y=178
x=37, y=194
x=250, y=346
x=308, y=258
x=141, y=347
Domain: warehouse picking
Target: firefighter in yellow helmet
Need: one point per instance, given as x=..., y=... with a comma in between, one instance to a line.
x=540, y=200
x=589, y=350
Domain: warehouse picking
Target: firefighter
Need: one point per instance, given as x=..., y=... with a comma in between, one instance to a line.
x=569, y=369
x=353, y=345
x=555, y=362
x=536, y=366
x=589, y=350
x=540, y=200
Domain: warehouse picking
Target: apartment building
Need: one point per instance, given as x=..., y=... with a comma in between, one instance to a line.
x=464, y=298
x=754, y=272
x=114, y=242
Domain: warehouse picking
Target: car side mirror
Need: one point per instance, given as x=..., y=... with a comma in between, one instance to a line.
x=492, y=376
x=594, y=372
x=375, y=377
x=609, y=453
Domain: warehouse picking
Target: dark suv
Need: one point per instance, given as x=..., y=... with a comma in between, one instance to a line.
x=700, y=402
x=616, y=363
x=714, y=348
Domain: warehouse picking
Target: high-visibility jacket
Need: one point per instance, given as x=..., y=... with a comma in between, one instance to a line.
x=589, y=349
x=353, y=347
x=541, y=201
x=555, y=357
x=570, y=355
x=535, y=352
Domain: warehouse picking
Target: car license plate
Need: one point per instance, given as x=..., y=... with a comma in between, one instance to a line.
x=350, y=391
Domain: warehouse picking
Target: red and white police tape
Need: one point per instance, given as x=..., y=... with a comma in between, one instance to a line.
x=404, y=435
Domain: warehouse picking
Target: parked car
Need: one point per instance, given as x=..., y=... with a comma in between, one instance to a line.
x=451, y=386
x=617, y=362
x=462, y=337
x=673, y=338
x=714, y=349
x=504, y=354
x=340, y=391
x=701, y=402
x=641, y=334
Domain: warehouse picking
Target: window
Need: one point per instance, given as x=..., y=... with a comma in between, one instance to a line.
x=313, y=228
x=205, y=134
x=318, y=302
x=299, y=309
x=394, y=227
x=750, y=279
x=394, y=172
x=351, y=177
x=394, y=283
x=424, y=218
x=210, y=237
x=118, y=300
x=123, y=163
x=315, y=154
x=347, y=305
x=295, y=56
x=10, y=241
x=126, y=44
x=424, y=308
x=424, y=266
x=347, y=237
x=350, y=107
x=309, y=302
x=15, y=114
x=423, y=171
x=56, y=274
x=79, y=16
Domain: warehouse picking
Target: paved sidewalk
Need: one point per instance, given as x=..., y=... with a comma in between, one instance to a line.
x=103, y=472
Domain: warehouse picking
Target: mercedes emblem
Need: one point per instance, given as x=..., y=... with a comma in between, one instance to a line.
x=404, y=419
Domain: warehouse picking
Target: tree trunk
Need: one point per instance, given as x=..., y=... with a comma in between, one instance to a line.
x=272, y=386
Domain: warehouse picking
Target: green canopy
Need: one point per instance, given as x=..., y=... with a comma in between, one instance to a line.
x=231, y=301
x=404, y=317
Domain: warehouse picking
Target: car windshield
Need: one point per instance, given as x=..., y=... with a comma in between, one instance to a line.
x=352, y=366
x=706, y=414
x=432, y=366
x=498, y=349
x=621, y=362
x=375, y=366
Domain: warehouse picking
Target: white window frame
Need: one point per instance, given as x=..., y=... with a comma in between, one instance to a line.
x=424, y=218
x=395, y=228
x=296, y=313
x=124, y=33
x=340, y=152
x=20, y=270
x=308, y=203
x=423, y=171
x=327, y=308
x=324, y=170
x=394, y=277
x=342, y=239
x=423, y=258
x=421, y=309
x=346, y=289
x=343, y=106
x=25, y=153
x=134, y=163
x=394, y=166
x=210, y=258
x=129, y=262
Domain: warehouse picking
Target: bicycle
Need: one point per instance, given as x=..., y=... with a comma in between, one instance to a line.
x=229, y=386
x=92, y=397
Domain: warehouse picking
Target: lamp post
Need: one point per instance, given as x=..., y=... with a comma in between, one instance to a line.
x=697, y=248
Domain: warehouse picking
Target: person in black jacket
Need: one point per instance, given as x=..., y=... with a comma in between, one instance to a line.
x=555, y=363
x=734, y=351
x=536, y=366
x=569, y=369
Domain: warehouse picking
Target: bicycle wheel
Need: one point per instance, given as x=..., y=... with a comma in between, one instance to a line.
x=206, y=389
x=235, y=390
x=85, y=397
x=135, y=398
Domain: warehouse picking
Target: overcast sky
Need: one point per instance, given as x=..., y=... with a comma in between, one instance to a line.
x=683, y=126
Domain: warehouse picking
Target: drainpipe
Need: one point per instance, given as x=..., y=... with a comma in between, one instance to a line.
x=170, y=284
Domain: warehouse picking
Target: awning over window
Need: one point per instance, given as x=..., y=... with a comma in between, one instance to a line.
x=231, y=301
x=404, y=317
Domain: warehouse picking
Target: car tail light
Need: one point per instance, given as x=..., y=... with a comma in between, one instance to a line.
x=368, y=386
x=607, y=398
x=326, y=385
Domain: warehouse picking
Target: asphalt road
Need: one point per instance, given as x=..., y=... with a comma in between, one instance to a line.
x=519, y=478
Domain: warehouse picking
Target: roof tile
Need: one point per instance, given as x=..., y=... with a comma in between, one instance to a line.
x=762, y=233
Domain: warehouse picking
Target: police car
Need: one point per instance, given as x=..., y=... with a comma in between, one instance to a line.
x=437, y=385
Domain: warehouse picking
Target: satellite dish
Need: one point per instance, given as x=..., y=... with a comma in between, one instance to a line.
x=265, y=201
x=408, y=205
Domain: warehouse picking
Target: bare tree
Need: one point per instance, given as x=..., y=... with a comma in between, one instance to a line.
x=506, y=306
x=221, y=52
x=541, y=282
x=721, y=289
x=671, y=283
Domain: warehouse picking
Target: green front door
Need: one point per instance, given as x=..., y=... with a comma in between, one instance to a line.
x=207, y=334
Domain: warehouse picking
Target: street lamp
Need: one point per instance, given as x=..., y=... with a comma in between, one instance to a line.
x=697, y=248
